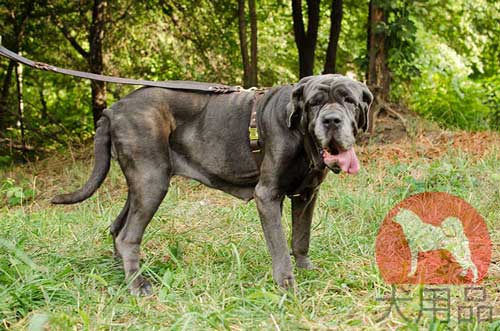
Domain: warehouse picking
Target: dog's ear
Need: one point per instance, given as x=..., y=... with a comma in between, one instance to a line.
x=295, y=112
x=364, y=117
x=452, y=227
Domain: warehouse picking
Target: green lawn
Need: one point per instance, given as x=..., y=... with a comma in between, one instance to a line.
x=206, y=254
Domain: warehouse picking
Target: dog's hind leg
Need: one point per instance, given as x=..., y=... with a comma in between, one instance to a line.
x=148, y=186
x=118, y=224
x=472, y=268
x=141, y=141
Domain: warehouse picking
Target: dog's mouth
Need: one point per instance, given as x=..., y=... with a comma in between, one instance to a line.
x=341, y=160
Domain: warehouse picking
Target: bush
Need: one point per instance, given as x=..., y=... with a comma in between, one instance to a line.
x=452, y=101
x=442, y=88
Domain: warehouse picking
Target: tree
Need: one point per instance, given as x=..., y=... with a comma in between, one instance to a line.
x=306, y=40
x=191, y=48
x=94, y=56
x=391, y=37
x=335, y=26
x=17, y=21
x=249, y=62
x=378, y=76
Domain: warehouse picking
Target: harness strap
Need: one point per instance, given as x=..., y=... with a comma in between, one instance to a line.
x=174, y=85
x=253, y=131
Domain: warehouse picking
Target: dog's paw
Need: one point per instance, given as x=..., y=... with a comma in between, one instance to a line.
x=141, y=287
x=304, y=262
x=287, y=283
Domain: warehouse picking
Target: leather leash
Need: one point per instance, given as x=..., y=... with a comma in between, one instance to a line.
x=174, y=85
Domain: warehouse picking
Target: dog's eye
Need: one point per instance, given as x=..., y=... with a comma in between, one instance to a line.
x=315, y=103
x=350, y=100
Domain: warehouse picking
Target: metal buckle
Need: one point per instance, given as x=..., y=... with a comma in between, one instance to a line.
x=253, y=133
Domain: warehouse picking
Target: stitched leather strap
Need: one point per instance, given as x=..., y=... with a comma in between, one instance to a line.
x=253, y=130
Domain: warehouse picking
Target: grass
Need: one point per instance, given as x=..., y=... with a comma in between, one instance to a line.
x=206, y=254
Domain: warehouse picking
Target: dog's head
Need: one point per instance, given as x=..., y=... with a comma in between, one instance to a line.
x=332, y=109
x=407, y=219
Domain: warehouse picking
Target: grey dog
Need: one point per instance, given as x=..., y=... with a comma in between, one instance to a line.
x=158, y=133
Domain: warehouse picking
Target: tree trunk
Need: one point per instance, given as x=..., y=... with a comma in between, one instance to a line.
x=253, y=46
x=43, y=102
x=95, y=58
x=13, y=42
x=5, y=94
x=20, y=104
x=335, y=26
x=306, y=40
x=242, y=28
x=378, y=76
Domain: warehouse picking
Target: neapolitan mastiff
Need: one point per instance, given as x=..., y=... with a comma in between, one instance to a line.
x=158, y=133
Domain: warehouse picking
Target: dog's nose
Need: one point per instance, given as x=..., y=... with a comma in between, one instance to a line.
x=332, y=120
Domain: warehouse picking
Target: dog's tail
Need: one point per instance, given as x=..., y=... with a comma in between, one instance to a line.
x=102, y=152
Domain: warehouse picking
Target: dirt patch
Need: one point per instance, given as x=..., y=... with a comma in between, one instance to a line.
x=419, y=139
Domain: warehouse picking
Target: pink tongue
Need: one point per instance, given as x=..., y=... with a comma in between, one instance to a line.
x=347, y=161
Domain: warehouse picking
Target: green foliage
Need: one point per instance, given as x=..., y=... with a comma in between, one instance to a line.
x=469, y=27
x=491, y=86
x=402, y=35
x=5, y=160
x=442, y=77
x=451, y=101
x=14, y=194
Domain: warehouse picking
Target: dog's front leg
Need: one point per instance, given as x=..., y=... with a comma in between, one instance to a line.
x=414, y=260
x=269, y=205
x=302, y=213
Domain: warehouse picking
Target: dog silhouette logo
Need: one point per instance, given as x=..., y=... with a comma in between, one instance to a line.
x=433, y=238
x=423, y=237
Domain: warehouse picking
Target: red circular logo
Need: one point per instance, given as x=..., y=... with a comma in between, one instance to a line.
x=433, y=238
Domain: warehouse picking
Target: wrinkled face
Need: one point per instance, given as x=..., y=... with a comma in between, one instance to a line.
x=332, y=109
